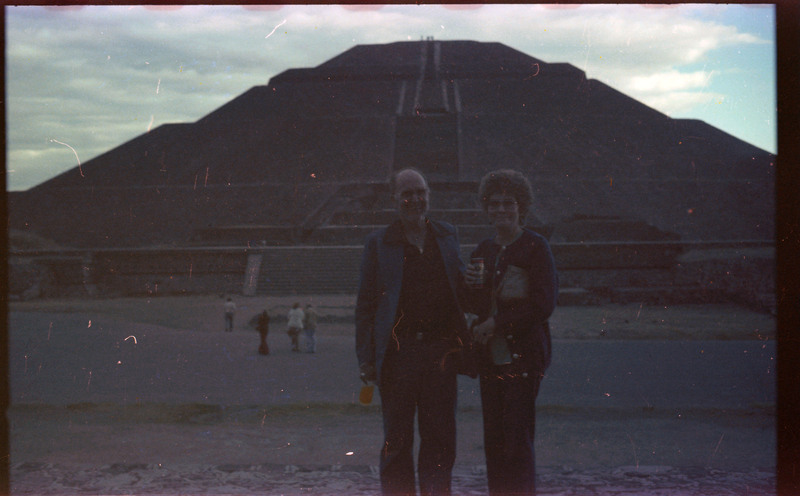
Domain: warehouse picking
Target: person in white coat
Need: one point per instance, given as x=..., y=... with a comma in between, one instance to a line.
x=295, y=325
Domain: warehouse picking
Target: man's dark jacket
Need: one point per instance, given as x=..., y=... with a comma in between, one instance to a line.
x=379, y=292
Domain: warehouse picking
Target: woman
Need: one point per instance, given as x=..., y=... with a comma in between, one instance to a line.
x=230, y=308
x=295, y=325
x=513, y=297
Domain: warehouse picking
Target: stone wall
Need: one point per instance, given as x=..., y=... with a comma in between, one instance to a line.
x=112, y=273
x=590, y=273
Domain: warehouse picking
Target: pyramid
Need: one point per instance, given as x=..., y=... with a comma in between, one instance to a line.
x=315, y=143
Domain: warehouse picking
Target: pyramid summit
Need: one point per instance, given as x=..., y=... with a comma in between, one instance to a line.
x=317, y=144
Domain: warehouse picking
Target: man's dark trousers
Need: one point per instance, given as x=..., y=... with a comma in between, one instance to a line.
x=418, y=376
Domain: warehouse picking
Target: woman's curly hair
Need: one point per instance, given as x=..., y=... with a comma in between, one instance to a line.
x=507, y=182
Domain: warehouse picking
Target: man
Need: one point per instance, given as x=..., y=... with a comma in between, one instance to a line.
x=410, y=335
x=263, y=329
x=310, y=328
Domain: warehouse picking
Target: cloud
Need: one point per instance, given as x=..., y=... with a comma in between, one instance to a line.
x=673, y=92
x=676, y=103
x=667, y=81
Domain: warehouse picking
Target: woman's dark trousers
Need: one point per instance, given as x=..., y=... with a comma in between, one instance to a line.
x=509, y=423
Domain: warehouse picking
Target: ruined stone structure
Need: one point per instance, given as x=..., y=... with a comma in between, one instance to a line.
x=304, y=160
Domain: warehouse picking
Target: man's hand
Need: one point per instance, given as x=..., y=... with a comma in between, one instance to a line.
x=368, y=374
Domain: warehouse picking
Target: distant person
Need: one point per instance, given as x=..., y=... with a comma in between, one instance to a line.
x=513, y=297
x=262, y=325
x=295, y=325
x=310, y=328
x=410, y=332
x=230, y=309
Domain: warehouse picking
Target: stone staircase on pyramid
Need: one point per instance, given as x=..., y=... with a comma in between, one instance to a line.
x=594, y=265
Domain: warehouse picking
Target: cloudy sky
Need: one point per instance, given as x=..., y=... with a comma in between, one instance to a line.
x=83, y=80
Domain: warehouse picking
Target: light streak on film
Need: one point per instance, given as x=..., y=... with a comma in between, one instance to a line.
x=73, y=151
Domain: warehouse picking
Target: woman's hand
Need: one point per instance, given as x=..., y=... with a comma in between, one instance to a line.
x=483, y=331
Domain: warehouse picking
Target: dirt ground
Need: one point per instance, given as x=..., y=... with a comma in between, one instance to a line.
x=351, y=434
